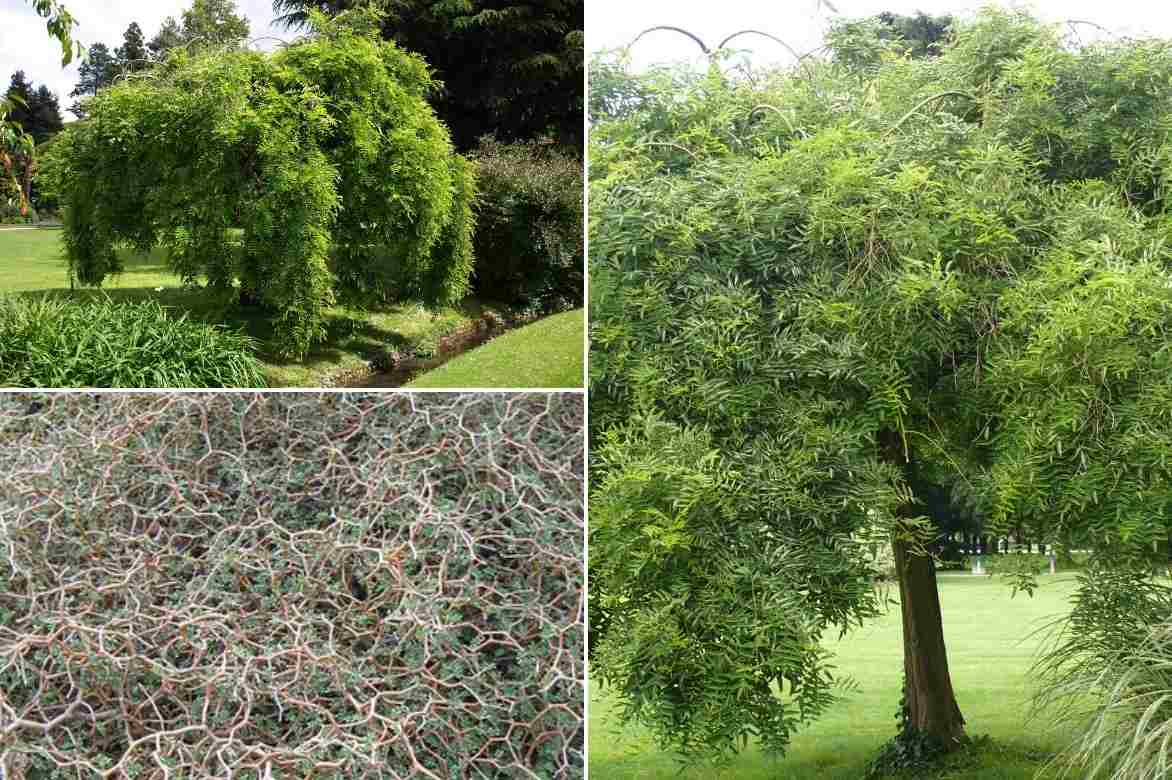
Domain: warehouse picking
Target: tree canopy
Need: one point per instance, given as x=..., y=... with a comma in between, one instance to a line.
x=36, y=111
x=507, y=68
x=96, y=72
x=288, y=180
x=815, y=291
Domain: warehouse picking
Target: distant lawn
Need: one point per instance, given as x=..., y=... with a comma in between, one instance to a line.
x=546, y=353
x=31, y=262
x=989, y=652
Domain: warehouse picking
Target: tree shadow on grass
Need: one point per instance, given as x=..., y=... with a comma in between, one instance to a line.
x=352, y=335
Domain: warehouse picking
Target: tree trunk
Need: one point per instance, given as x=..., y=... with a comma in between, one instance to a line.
x=931, y=703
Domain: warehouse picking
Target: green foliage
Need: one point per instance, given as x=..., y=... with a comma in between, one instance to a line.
x=910, y=751
x=55, y=342
x=529, y=232
x=1106, y=676
x=59, y=23
x=817, y=291
x=508, y=69
x=36, y=110
x=325, y=156
x=923, y=35
x=95, y=73
x=716, y=593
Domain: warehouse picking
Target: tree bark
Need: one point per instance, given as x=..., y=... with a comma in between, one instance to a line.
x=931, y=703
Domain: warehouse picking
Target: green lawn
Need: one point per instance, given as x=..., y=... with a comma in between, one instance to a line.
x=546, y=353
x=30, y=263
x=990, y=649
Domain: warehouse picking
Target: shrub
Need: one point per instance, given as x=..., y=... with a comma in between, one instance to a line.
x=358, y=586
x=325, y=155
x=529, y=239
x=56, y=342
x=1106, y=676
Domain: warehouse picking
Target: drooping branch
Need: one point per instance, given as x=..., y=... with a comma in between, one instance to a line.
x=926, y=101
x=780, y=113
x=669, y=27
x=774, y=38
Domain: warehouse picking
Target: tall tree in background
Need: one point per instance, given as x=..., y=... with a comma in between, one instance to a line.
x=510, y=69
x=20, y=93
x=169, y=36
x=215, y=23
x=96, y=72
x=35, y=110
x=925, y=35
x=17, y=148
x=205, y=23
x=132, y=55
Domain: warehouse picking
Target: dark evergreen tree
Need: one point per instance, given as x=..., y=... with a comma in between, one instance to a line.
x=46, y=115
x=20, y=94
x=169, y=36
x=923, y=34
x=132, y=55
x=96, y=72
x=512, y=69
x=34, y=110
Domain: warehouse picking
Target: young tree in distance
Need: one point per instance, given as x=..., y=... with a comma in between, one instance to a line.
x=805, y=308
x=215, y=23
x=205, y=23
x=509, y=69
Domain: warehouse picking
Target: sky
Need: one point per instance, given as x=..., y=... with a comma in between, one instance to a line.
x=25, y=44
x=615, y=23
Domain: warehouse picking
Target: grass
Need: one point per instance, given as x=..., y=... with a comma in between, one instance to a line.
x=989, y=651
x=546, y=353
x=32, y=265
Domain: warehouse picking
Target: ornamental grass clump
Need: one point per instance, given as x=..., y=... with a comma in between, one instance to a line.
x=325, y=156
x=56, y=342
x=343, y=586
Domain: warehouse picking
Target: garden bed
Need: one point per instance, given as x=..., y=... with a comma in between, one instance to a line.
x=401, y=340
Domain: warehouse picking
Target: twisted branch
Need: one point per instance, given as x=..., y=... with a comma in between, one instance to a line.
x=248, y=585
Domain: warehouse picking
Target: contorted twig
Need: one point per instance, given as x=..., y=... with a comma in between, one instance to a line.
x=368, y=586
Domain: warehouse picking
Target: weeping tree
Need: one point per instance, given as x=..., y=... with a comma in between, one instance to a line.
x=292, y=180
x=822, y=292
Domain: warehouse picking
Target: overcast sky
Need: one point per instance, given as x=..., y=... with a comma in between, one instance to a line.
x=613, y=23
x=25, y=45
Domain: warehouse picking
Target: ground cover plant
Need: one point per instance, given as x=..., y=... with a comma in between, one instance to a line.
x=52, y=342
x=288, y=181
x=825, y=295
x=292, y=585
x=541, y=354
x=33, y=268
